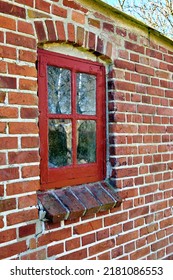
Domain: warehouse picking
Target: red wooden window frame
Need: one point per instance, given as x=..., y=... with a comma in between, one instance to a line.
x=76, y=173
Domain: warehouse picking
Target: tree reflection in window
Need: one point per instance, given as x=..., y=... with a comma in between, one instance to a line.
x=86, y=94
x=60, y=143
x=59, y=90
x=86, y=147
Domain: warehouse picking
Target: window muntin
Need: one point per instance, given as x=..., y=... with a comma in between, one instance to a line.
x=72, y=120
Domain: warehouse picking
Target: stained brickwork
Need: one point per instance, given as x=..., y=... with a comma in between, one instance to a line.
x=140, y=133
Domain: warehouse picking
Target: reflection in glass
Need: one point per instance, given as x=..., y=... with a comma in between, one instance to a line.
x=60, y=143
x=86, y=94
x=59, y=90
x=86, y=141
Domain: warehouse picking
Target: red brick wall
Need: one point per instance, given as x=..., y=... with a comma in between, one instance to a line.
x=140, y=91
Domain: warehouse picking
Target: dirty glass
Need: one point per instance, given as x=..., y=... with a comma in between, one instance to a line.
x=59, y=90
x=86, y=94
x=60, y=143
x=86, y=141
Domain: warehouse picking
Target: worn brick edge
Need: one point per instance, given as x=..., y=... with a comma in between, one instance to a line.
x=74, y=202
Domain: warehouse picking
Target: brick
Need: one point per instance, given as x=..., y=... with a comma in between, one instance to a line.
x=8, y=112
x=129, y=247
x=23, y=157
x=60, y=31
x=144, y=70
x=20, y=40
x=100, y=45
x=12, y=9
x=94, y=22
x=138, y=254
x=74, y=206
x=117, y=252
x=13, y=249
x=2, y=97
x=23, y=187
x=28, y=56
x=80, y=36
x=3, y=67
x=139, y=211
x=124, y=64
x=88, y=239
x=7, y=82
x=1, y=190
x=134, y=47
x=27, y=230
x=58, y=11
x=42, y=5
x=26, y=84
x=30, y=142
x=108, y=27
x=8, y=143
x=124, y=238
x=115, y=219
x=1, y=222
x=101, y=246
x=103, y=197
x=74, y=5
x=166, y=223
x=10, y=173
x=25, y=27
x=22, y=70
x=2, y=37
x=22, y=98
x=55, y=249
x=88, y=227
x=104, y=256
x=51, y=30
x=27, y=201
x=23, y=128
x=57, y=235
x=77, y=255
x=121, y=32
x=159, y=244
x=78, y=17
x=91, y=43
x=72, y=244
x=122, y=85
x=29, y=3
x=22, y=216
x=7, y=23
x=2, y=158
x=87, y=199
x=30, y=171
x=7, y=204
x=71, y=32
x=102, y=234
x=29, y=113
x=41, y=34
x=109, y=48
x=55, y=210
x=40, y=254
x=7, y=235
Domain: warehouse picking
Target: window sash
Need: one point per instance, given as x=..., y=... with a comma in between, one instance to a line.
x=75, y=173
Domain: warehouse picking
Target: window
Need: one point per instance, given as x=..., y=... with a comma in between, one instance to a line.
x=72, y=120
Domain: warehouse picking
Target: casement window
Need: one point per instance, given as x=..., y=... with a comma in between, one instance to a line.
x=72, y=120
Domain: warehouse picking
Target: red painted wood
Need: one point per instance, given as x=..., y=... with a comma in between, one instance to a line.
x=75, y=173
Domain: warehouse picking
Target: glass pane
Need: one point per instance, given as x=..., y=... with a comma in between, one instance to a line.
x=86, y=94
x=60, y=143
x=59, y=90
x=86, y=141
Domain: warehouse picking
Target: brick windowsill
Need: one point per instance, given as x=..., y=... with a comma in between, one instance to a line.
x=74, y=202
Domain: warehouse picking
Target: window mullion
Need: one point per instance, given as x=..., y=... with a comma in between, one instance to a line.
x=74, y=118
